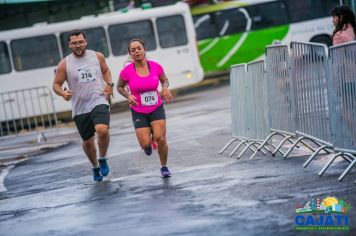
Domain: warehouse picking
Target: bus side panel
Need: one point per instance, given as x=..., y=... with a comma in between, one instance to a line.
x=304, y=31
x=252, y=47
x=26, y=80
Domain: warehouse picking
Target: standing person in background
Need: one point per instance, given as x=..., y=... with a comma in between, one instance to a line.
x=345, y=31
x=142, y=77
x=90, y=86
x=345, y=25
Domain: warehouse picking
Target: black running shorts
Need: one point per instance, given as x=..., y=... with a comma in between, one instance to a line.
x=141, y=120
x=86, y=122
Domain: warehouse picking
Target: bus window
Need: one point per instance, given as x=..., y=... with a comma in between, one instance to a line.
x=267, y=15
x=171, y=31
x=96, y=41
x=121, y=34
x=205, y=26
x=328, y=6
x=230, y=22
x=36, y=52
x=302, y=10
x=5, y=66
x=159, y=3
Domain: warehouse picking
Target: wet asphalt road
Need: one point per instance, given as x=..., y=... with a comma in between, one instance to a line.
x=209, y=194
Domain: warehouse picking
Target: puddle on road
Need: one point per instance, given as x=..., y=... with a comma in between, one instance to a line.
x=276, y=201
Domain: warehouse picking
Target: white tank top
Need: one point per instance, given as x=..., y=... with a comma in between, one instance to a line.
x=85, y=80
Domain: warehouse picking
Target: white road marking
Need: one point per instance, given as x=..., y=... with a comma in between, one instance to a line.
x=3, y=176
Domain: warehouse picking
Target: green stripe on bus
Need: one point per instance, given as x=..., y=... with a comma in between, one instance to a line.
x=252, y=48
x=216, y=7
x=217, y=52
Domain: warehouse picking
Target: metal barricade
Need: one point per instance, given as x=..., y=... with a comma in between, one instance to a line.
x=249, y=107
x=342, y=83
x=238, y=75
x=253, y=109
x=260, y=95
x=280, y=97
x=309, y=69
x=256, y=107
x=305, y=96
x=26, y=109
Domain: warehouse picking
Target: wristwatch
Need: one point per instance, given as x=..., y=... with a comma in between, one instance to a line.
x=110, y=84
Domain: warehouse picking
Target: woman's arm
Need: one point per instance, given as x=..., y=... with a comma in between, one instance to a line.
x=121, y=84
x=166, y=93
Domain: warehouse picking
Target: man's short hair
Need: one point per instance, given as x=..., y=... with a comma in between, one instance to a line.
x=75, y=33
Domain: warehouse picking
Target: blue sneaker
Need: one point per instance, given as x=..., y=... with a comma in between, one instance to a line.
x=148, y=151
x=165, y=172
x=97, y=175
x=104, y=167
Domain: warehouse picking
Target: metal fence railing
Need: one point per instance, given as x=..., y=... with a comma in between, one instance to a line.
x=237, y=91
x=309, y=70
x=281, y=104
x=305, y=94
x=26, y=109
x=256, y=110
x=246, y=110
x=342, y=83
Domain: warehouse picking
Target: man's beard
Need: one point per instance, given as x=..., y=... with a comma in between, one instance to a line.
x=81, y=50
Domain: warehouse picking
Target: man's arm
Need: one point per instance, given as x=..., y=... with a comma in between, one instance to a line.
x=104, y=68
x=106, y=74
x=60, y=77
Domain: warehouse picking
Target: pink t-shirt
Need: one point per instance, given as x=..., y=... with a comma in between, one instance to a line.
x=345, y=35
x=144, y=88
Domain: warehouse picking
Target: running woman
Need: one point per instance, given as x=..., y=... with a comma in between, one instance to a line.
x=143, y=76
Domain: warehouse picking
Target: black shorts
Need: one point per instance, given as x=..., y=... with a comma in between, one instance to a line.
x=141, y=120
x=86, y=122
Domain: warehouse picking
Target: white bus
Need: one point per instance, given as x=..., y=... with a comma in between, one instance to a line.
x=29, y=56
x=238, y=31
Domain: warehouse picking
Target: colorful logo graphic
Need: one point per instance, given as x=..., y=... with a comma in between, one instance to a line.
x=329, y=213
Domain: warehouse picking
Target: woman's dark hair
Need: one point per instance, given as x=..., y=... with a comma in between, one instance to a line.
x=136, y=40
x=75, y=33
x=345, y=15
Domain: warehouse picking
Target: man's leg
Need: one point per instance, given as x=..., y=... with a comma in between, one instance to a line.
x=87, y=130
x=100, y=117
x=90, y=151
x=103, y=139
x=103, y=144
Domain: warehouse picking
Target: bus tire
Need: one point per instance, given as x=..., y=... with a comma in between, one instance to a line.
x=323, y=39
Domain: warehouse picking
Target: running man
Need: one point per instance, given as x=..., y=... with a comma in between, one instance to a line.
x=90, y=86
x=149, y=119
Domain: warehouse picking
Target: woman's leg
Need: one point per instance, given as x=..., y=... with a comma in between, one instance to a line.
x=144, y=137
x=159, y=134
x=142, y=129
